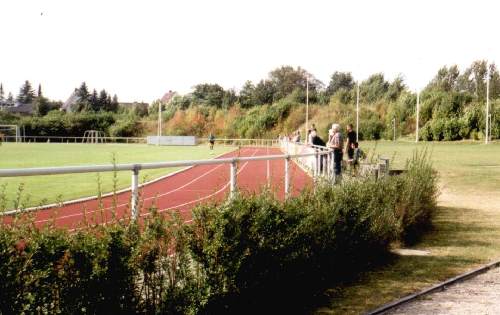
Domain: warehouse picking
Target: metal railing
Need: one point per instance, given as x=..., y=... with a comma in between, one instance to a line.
x=142, y=140
x=137, y=167
x=66, y=139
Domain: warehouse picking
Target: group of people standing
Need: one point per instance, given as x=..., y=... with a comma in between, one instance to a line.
x=336, y=142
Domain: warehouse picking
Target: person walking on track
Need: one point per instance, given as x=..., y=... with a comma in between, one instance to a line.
x=211, y=140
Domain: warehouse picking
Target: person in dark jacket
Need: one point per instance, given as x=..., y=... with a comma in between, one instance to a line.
x=351, y=138
x=316, y=140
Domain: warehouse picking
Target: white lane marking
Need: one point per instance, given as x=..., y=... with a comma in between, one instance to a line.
x=127, y=203
x=205, y=197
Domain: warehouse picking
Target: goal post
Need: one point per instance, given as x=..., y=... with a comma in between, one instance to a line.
x=8, y=132
x=93, y=136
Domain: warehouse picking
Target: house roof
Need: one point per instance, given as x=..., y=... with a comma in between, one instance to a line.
x=19, y=108
x=168, y=96
x=72, y=99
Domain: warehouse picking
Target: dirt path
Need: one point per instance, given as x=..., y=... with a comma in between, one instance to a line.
x=479, y=295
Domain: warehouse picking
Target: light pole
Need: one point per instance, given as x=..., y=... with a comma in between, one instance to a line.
x=487, y=103
x=307, y=108
x=357, y=112
x=418, y=116
x=394, y=128
x=490, y=125
x=159, y=123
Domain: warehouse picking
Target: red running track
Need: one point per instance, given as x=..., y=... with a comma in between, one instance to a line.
x=183, y=191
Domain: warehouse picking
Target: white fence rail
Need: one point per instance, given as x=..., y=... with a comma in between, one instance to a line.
x=137, y=167
x=142, y=140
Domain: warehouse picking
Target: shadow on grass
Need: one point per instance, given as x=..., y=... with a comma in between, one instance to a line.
x=455, y=246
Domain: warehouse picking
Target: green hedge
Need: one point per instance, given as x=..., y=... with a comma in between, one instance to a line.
x=75, y=124
x=251, y=255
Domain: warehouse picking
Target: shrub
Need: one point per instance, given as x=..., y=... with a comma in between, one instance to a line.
x=247, y=255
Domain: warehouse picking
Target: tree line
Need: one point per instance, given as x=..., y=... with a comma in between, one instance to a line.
x=84, y=101
x=452, y=103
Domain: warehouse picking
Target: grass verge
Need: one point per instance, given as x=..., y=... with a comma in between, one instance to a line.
x=465, y=232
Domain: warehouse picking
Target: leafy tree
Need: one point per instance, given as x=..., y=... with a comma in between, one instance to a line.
x=180, y=101
x=229, y=98
x=41, y=106
x=209, y=94
x=447, y=79
x=264, y=92
x=247, y=95
x=339, y=80
x=113, y=106
x=26, y=93
x=374, y=88
x=102, y=101
x=94, y=100
x=396, y=88
x=286, y=79
x=83, y=102
x=10, y=98
x=83, y=92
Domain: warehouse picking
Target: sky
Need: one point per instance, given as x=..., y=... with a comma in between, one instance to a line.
x=141, y=49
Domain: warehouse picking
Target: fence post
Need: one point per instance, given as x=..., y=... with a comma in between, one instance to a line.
x=287, y=176
x=330, y=165
x=135, y=193
x=316, y=166
x=232, y=188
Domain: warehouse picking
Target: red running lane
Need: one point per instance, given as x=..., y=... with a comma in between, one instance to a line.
x=183, y=191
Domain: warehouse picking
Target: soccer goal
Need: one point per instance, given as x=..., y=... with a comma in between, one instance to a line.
x=93, y=136
x=10, y=133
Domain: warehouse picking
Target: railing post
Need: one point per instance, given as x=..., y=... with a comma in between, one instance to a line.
x=316, y=165
x=287, y=176
x=135, y=193
x=232, y=188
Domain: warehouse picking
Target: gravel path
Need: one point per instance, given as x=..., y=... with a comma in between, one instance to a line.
x=479, y=295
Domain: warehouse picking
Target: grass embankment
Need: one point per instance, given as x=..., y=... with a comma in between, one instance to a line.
x=49, y=189
x=466, y=230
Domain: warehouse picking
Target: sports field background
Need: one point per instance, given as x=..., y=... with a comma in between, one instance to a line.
x=48, y=189
x=464, y=167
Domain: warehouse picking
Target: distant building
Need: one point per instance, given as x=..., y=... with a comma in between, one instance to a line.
x=168, y=97
x=72, y=100
x=15, y=107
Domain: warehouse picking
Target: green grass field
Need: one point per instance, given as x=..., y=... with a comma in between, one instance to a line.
x=466, y=231
x=48, y=189
x=463, y=166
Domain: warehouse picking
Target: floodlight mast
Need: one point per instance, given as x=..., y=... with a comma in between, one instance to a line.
x=307, y=108
x=357, y=112
x=418, y=116
x=487, y=103
x=159, y=123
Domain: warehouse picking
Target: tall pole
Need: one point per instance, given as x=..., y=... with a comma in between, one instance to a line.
x=159, y=123
x=357, y=113
x=307, y=107
x=487, y=103
x=418, y=115
x=394, y=128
